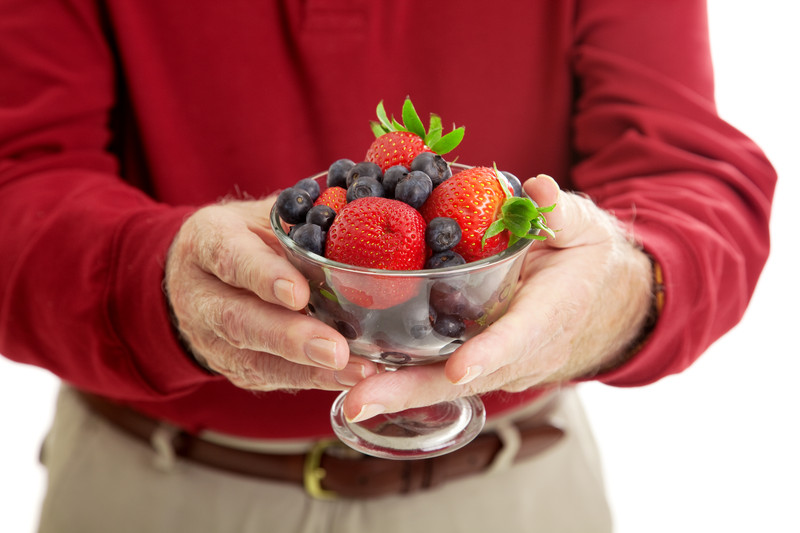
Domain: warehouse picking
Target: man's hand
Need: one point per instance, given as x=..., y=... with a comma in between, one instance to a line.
x=582, y=300
x=236, y=299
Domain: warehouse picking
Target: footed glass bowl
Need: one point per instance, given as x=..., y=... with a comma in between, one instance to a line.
x=402, y=318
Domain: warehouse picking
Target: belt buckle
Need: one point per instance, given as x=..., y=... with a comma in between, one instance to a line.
x=313, y=473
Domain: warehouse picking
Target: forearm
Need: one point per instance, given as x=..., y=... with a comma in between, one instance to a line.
x=81, y=291
x=692, y=190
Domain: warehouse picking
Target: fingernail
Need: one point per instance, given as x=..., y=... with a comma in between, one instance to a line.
x=368, y=411
x=321, y=351
x=284, y=291
x=351, y=374
x=472, y=372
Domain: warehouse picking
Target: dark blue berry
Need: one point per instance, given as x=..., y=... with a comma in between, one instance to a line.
x=293, y=205
x=309, y=185
x=442, y=233
x=516, y=185
x=414, y=189
x=364, y=186
x=445, y=259
x=449, y=326
x=433, y=165
x=349, y=330
x=448, y=299
x=337, y=173
x=364, y=169
x=392, y=177
x=309, y=237
x=325, y=307
x=322, y=216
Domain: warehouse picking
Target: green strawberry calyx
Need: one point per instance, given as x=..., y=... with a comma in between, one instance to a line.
x=520, y=216
x=433, y=138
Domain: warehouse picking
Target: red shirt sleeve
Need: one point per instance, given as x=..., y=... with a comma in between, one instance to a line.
x=79, y=311
x=652, y=150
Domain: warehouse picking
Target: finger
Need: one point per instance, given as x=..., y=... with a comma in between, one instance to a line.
x=389, y=392
x=229, y=249
x=252, y=370
x=245, y=322
x=575, y=219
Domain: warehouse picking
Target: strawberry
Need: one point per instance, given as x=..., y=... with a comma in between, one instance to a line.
x=489, y=215
x=333, y=197
x=377, y=233
x=395, y=148
x=399, y=144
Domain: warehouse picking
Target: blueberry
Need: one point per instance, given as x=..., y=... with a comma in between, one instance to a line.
x=449, y=326
x=310, y=237
x=433, y=165
x=362, y=170
x=310, y=186
x=516, y=185
x=445, y=259
x=337, y=173
x=293, y=205
x=442, y=233
x=321, y=215
x=349, y=330
x=364, y=186
x=414, y=189
x=328, y=309
x=392, y=177
x=449, y=300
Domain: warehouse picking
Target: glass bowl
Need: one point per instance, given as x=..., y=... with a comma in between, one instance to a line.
x=401, y=318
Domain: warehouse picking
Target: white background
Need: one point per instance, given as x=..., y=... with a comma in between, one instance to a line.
x=713, y=449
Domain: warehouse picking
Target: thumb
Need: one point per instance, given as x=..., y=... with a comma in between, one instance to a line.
x=576, y=220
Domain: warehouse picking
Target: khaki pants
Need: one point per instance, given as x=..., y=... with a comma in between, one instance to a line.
x=100, y=480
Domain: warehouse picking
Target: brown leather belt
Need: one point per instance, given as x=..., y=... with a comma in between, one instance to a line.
x=330, y=469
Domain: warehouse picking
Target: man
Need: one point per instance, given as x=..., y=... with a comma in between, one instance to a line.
x=132, y=136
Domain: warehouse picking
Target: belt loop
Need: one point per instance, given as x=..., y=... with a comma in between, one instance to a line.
x=511, y=441
x=162, y=440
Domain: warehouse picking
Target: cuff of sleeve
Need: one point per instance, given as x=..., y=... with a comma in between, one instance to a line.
x=663, y=348
x=138, y=308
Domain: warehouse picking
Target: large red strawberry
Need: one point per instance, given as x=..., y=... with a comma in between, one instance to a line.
x=490, y=217
x=376, y=233
x=399, y=143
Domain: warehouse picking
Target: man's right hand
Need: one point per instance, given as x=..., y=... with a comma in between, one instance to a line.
x=237, y=301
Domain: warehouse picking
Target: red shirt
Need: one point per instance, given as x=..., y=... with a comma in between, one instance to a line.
x=118, y=118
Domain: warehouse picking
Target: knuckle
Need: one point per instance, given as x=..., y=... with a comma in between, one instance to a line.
x=282, y=339
x=232, y=325
x=222, y=258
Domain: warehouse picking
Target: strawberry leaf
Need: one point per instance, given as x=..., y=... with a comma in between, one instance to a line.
x=383, y=117
x=329, y=295
x=411, y=119
x=377, y=128
x=448, y=142
x=520, y=216
x=412, y=123
x=495, y=228
x=434, y=130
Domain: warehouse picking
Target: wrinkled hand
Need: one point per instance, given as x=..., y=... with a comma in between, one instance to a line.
x=236, y=299
x=582, y=299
